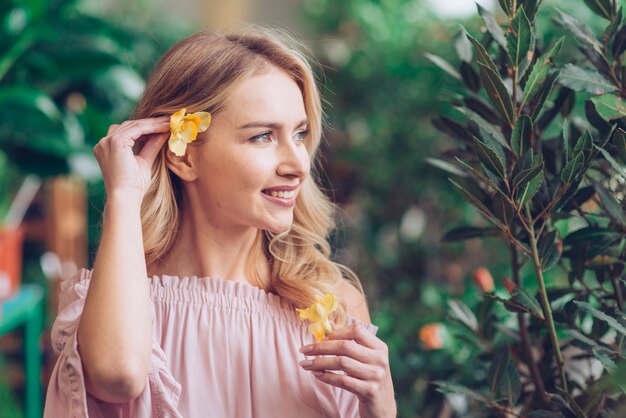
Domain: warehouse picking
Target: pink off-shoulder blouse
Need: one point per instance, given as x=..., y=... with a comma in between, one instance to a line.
x=220, y=349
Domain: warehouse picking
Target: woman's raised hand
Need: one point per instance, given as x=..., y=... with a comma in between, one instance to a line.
x=357, y=361
x=122, y=170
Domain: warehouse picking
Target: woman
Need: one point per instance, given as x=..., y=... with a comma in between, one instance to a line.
x=229, y=226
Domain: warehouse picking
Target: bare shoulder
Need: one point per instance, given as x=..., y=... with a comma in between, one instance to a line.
x=355, y=301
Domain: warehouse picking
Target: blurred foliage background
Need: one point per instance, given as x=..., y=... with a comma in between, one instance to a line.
x=69, y=69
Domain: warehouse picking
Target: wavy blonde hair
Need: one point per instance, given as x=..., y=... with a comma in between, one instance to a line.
x=199, y=73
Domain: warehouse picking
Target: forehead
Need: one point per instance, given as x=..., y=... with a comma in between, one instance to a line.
x=271, y=95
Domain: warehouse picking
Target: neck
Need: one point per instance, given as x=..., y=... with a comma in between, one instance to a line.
x=206, y=249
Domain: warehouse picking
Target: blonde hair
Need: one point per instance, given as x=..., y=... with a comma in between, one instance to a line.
x=199, y=73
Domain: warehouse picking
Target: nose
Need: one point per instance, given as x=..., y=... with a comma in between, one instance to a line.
x=293, y=159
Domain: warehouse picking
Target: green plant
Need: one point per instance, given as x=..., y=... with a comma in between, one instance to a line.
x=551, y=179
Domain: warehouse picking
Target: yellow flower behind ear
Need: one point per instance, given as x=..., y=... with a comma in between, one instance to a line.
x=184, y=129
x=318, y=314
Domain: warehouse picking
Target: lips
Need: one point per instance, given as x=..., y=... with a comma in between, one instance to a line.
x=283, y=195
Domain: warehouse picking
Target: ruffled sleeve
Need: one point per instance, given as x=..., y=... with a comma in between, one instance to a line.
x=67, y=395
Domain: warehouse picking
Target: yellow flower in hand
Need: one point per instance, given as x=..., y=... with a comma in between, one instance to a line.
x=185, y=128
x=318, y=315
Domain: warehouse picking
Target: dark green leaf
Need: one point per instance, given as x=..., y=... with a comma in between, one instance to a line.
x=540, y=71
x=572, y=169
x=590, y=234
x=29, y=98
x=488, y=158
x=581, y=31
x=445, y=166
x=444, y=65
x=584, y=144
x=482, y=56
x=526, y=176
x=503, y=210
x=498, y=369
x=521, y=139
x=531, y=190
x=606, y=361
x=580, y=197
x=452, y=128
x=468, y=232
x=619, y=44
x=610, y=106
x=490, y=133
x=483, y=109
x=482, y=177
x=620, y=168
x=612, y=322
x=583, y=79
x=544, y=414
x=612, y=206
x=507, y=6
x=498, y=94
x=594, y=118
x=447, y=387
x=463, y=47
x=600, y=7
x=478, y=204
x=518, y=37
x=492, y=25
x=531, y=7
x=460, y=312
x=539, y=99
x=524, y=298
x=470, y=77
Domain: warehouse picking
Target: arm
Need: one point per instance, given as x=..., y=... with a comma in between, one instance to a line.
x=115, y=329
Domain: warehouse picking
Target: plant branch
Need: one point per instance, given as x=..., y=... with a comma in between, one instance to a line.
x=527, y=357
x=545, y=303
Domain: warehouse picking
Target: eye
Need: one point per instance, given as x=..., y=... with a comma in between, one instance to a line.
x=302, y=135
x=263, y=137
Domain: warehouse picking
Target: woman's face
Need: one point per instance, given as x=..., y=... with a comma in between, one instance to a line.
x=253, y=159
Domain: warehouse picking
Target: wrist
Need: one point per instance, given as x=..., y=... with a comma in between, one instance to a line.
x=126, y=198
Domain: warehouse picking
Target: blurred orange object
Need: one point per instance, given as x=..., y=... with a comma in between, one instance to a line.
x=431, y=336
x=11, y=240
x=484, y=280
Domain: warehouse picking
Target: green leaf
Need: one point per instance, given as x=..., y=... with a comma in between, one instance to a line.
x=615, y=210
x=488, y=130
x=610, y=106
x=460, y=312
x=612, y=322
x=478, y=204
x=447, y=387
x=470, y=77
x=572, y=169
x=600, y=7
x=526, y=176
x=589, y=235
x=532, y=6
x=482, y=56
x=482, y=177
x=581, y=31
x=503, y=210
x=539, y=99
x=444, y=65
x=583, y=79
x=452, y=128
x=463, y=46
x=521, y=138
x=619, y=44
x=488, y=158
x=606, y=361
x=540, y=71
x=497, y=370
x=445, y=166
x=492, y=25
x=498, y=94
x=620, y=168
x=31, y=98
x=531, y=190
x=525, y=299
x=518, y=37
x=468, y=232
x=507, y=6
x=584, y=144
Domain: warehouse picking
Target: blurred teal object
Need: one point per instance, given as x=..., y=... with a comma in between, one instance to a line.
x=25, y=309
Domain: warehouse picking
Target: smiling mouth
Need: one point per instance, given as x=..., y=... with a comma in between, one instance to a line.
x=287, y=194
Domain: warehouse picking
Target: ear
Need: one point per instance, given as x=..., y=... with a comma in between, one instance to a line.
x=184, y=166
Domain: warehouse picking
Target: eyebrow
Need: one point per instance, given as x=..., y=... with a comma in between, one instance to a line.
x=272, y=125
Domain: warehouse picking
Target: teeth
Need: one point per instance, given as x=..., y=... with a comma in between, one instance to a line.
x=283, y=194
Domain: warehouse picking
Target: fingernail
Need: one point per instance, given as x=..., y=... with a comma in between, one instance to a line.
x=306, y=363
x=306, y=348
x=317, y=373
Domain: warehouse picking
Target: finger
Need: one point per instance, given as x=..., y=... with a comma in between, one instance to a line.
x=348, y=348
x=360, y=334
x=152, y=146
x=112, y=129
x=348, y=365
x=361, y=388
x=135, y=131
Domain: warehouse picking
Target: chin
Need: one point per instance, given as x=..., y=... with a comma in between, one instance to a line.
x=279, y=226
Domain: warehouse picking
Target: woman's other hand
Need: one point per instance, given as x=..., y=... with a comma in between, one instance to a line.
x=122, y=170
x=357, y=361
